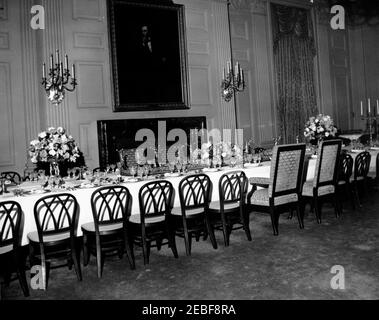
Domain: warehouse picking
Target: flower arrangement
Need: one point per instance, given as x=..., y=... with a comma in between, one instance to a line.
x=220, y=153
x=320, y=127
x=54, y=145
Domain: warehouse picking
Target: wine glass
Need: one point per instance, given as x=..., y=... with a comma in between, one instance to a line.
x=146, y=170
x=171, y=166
x=132, y=171
x=179, y=166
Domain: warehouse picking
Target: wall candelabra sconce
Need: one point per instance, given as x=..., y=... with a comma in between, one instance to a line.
x=59, y=79
x=233, y=79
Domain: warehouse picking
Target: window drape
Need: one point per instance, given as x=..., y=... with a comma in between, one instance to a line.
x=294, y=53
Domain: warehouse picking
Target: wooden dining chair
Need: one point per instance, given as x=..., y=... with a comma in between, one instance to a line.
x=56, y=218
x=11, y=221
x=154, y=224
x=108, y=233
x=284, y=186
x=323, y=187
x=229, y=213
x=12, y=176
x=345, y=171
x=192, y=217
x=360, y=177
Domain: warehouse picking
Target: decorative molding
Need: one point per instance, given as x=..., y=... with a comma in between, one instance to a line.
x=4, y=40
x=7, y=154
x=198, y=47
x=197, y=20
x=239, y=4
x=89, y=40
x=30, y=74
x=91, y=77
x=240, y=30
x=88, y=10
x=84, y=133
x=201, y=94
x=241, y=55
x=3, y=10
x=258, y=6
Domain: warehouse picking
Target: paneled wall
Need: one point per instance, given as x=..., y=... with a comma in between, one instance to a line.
x=80, y=29
x=364, y=43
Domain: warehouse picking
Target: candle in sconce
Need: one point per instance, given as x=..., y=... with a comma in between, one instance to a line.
x=62, y=69
x=51, y=61
x=44, y=71
x=377, y=107
x=223, y=73
x=73, y=71
x=57, y=56
x=66, y=62
x=369, y=107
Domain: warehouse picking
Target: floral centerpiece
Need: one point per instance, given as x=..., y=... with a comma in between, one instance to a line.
x=220, y=154
x=319, y=128
x=53, y=149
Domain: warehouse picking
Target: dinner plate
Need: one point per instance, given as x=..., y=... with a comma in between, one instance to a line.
x=374, y=148
x=211, y=169
x=252, y=165
x=175, y=174
x=131, y=179
x=356, y=150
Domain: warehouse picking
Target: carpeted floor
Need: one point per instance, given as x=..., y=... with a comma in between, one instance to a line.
x=295, y=265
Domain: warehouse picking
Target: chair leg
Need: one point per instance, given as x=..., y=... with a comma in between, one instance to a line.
x=246, y=227
x=225, y=230
x=172, y=243
x=45, y=271
x=20, y=263
x=211, y=233
x=129, y=252
x=318, y=210
x=86, y=253
x=356, y=195
x=76, y=260
x=145, y=251
x=99, y=259
x=187, y=238
x=274, y=221
x=300, y=217
x=337, y=205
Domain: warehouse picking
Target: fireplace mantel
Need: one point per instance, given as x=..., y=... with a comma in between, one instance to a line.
x=114, y=135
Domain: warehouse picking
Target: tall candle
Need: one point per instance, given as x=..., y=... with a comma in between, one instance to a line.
x=223, y=73
x=377, y=107
x=369, y=107
x=66, y=62
x=44, y=71
x=73, y=71
x=361, y=108
x=51, y=61
x=62, y=70
x=57, y=56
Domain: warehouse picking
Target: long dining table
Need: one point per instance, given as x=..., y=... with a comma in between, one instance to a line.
x=83, y=195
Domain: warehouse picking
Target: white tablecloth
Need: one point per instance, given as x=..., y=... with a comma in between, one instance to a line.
x=84, y=195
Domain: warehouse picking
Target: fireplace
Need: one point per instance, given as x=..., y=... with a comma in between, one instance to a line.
x=116, y=135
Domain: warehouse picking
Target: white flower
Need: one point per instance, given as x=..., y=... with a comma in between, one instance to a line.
x=42, y=135
x=52, y=152
x=60, y=130
x=34, y=159
x=34, y=142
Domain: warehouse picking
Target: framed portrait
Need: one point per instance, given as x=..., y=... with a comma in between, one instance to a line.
x=149, y=55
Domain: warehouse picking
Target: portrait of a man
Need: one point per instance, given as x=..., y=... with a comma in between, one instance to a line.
x=149, y=58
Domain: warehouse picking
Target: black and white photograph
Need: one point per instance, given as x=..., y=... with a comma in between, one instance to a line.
x=189, y=158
